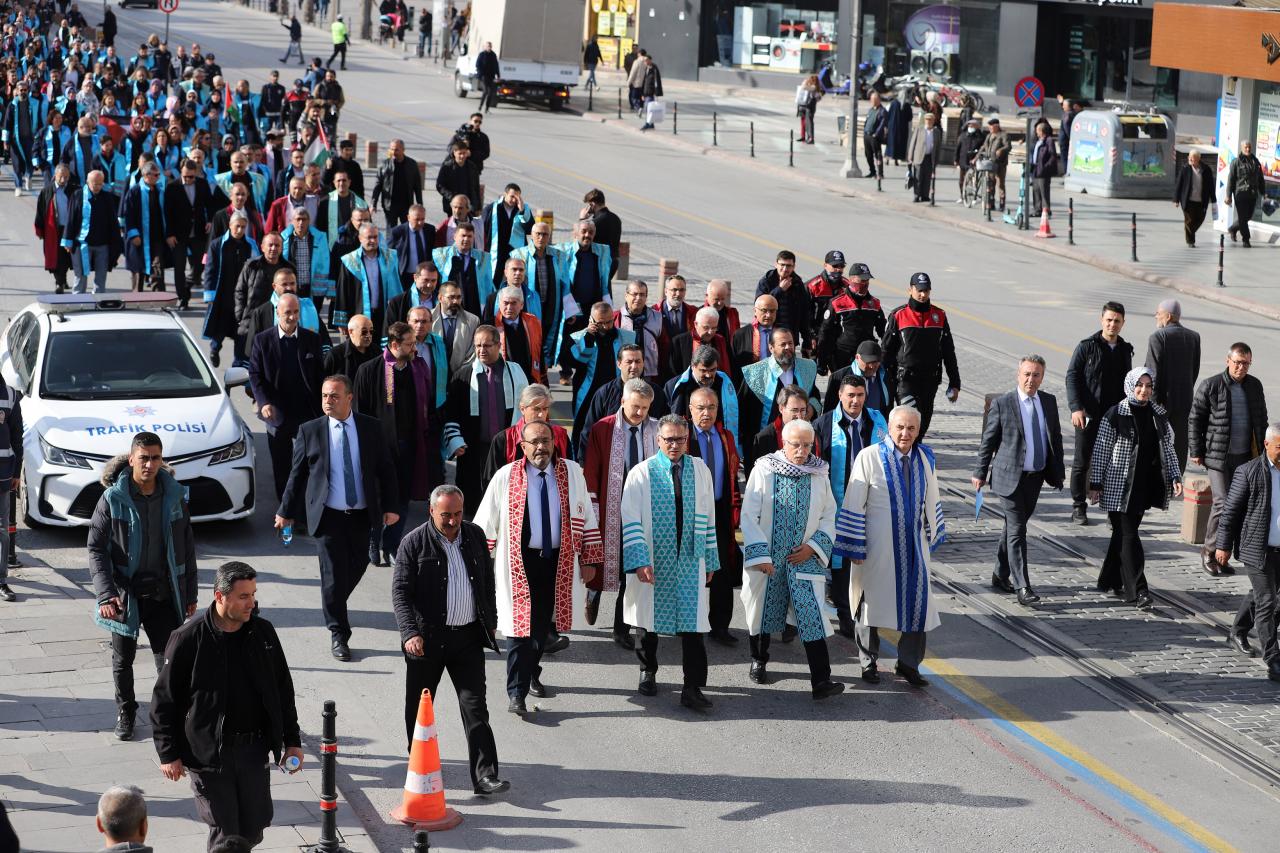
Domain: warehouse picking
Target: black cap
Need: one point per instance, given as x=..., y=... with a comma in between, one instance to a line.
x=297, y=82
x=869, y=351
x=993, y=120
x=860, y=271
x=920, y=281
x=835, y=257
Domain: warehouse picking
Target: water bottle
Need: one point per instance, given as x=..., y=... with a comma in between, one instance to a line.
x=290, y=764
x=286, y=538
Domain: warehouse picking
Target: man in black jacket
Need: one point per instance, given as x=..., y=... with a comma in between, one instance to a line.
x=188, y=214
x=488, y=69
x=458, y=176
x=1246, y=529
x=442, y=591
x=399, y=185
x=795, y=305
x=222, y=703
x=1095, y=383
x=608, y=226
x=1228, y=420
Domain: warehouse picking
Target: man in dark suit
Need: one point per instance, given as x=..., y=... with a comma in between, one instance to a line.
x=751, y=343
x=608, y=226
x=703, y=333
x=712, y=443
x=342, y=477
x=1173, y=352
x=1021, y=449
x=442, y=591
x=357, y=348
x=188, y=211
x=412, y=241
x=421, y=291
x=677, y=314
x=866, y=363
x=285, y=372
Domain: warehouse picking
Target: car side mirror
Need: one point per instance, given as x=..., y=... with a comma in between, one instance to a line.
x=235, y=377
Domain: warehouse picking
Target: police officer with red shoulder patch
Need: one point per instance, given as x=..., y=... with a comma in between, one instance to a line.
x=852, y=316
x=822, y=289
x=917, y=345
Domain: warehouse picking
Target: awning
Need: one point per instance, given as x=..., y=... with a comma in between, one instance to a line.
x=1229, y=41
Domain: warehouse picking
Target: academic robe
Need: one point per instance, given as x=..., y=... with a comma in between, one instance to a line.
x=650, y=336
x=463, y=422
x=729, y=507
x=832, y=397
x=144, y=217
x=895, y=535
x=424, y=470
x=448, y=262
x=352, y=293
x=785, y=506
x=746, y=346
x=226, y=258
x=501, y=515
x=335, y=211
x=603, y=266
x=46, y=223
x=322, y=285
x=604, y=464
x=677, y=601
x=679, y=388
x=592, y=374
x=345, y=360
x=504, y=448
x=729, y=323
x=758, y=393
x=528, y=350
x=505, y=234
x=258, y=188
x=551, y=312
x=606, y=401
x=832, y=444
x=682, y=347
x=85, y=210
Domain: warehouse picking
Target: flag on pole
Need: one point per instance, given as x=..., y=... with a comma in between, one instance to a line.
x=318, y=151
x=232, y=108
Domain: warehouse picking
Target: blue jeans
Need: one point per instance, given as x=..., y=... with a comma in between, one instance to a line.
x=424, y=41
x=293, y=45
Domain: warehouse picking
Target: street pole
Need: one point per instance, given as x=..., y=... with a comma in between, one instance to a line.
x=850, y=168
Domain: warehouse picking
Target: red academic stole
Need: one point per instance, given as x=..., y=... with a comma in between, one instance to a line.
x=570, y=541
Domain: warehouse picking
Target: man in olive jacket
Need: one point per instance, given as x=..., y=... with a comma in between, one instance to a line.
x=143, y=560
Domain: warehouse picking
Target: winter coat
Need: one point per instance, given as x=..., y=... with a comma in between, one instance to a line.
x=1209, y=430
x=1084, y=374
x=1246, y=515
x=1115, y=456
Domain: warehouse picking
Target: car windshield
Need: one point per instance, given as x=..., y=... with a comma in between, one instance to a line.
x=106, y=364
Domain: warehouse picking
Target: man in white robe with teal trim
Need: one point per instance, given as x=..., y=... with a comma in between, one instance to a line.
x=788, y=526
x=669, y=545
x=888, y=526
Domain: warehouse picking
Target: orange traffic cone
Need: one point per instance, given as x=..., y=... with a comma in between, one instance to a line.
x=1044, y=224
x=423, y=805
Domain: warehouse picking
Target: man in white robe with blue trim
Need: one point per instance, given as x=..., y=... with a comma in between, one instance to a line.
x=888, y=526
x=788, y=524
x=669, y=545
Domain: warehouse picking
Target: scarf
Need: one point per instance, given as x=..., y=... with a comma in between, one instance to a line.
x=1131, y=383
x=781, y=466
x=919, y=307
x=573, y=540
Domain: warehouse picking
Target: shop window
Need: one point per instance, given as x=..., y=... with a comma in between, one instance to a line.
x=1266, y=136
x=962, y=39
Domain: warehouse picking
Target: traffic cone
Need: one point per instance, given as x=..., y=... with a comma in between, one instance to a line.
x=423, y=805
x=1044, y=224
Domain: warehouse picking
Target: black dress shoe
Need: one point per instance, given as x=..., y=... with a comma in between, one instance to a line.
x=1210, y=563
x=536, y=689
x=912, y=676
x=124, y=726
x=648, y=684
x=724, y=638
x=624, y=640
x=789, y=633
x=827, y=689
x=1027, y=596
x=871, y=674
x=517, y=707
x=1226, y=568
x=340, y=649
x=1240, y=642
x=1001, y=584
x=1143, y=601
x=491, y=785
x=592, y=608
x=375, y=556
x=1273, y=672
x=758, y=674
x=215, y=359
x=1080, y=516
x=691, y=697
x=559, y=644
x=7, y=594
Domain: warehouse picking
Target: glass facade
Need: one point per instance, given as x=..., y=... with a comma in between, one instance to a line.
x=1101, y=55
x=1266, y=136
x=953, y=42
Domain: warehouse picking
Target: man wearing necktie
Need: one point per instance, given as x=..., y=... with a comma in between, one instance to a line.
x=711, y=443
x=342, y=478
x=412, y=242
x=1021, y=450
x=455, y=325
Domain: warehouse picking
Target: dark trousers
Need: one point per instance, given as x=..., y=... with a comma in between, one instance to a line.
x=395, y=215
x=338, y=50
x=182, y=261
x=235, y=799
x=1259, y=607
x=61, y=269
x=924, y=178
x=488, y=94
x=159, y=619
x=386, y=537
x=460, y=652
x=1125, y=564
x=1040, y=191
x=815, y=653
x=693, y=654
x=280, y=446
x=1178, y=421
x=871, y=149
x=806, y=122
x=342, y=539
x=1244, y=204
x=1192, y=218
x=838, y=590
x=620, y=625
x=1080, y=463
x=1220, y=484
x=571, y=325
x=910, y=647
x=1011, y=558
x=524, y=654
x=720, y=587
x=912, y=392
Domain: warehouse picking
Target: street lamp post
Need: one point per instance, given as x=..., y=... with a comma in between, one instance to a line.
x=850, y=168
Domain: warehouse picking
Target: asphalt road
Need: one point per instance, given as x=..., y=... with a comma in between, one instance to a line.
x=1039, y=760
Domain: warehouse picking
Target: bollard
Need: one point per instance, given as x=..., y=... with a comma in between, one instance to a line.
x=12, y=558
x=1071, y=222
x=675, y=118
x=752, y=132
x=371, y=154
x=1222, y=250
x=353, y=138
x=1133, y=239
x=933, y=186
x=619, y=102
x=879, y=173
x=791, y=149
x=328, y=841
x=714, y=129
x=422, y=172
x=421, y=842
x=591, y=99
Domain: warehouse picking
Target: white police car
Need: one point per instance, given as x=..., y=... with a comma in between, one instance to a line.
x=94, y=370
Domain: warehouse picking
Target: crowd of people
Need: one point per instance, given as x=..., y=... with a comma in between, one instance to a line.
x=402, y=362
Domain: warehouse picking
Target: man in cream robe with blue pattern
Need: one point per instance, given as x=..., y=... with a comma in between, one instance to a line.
x=669, y=545
x=889, y=525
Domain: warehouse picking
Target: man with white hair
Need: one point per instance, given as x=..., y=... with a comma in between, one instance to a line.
x=889, y=525
x=122, y=820
x=368, y=279
x=520, y=333
x=718, y=297
x=788, y=529
x=703, y=333
x=92, y=234
x=1173, y=352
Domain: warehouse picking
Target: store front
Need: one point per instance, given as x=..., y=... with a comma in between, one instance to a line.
x=612, y=23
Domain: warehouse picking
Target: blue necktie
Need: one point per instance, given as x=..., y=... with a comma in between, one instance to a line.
x=634, y=455
x=348, y=469
x=1037, y=440
x=546, y=516
x=708, y=456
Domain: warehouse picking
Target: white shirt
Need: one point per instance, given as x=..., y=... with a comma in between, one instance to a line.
x=1025, y=405
x=787, y=377
x=533, y=505
x=337, y=498
x=460, y=600
x=293, y=334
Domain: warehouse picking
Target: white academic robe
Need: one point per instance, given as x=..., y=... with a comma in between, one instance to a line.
x=758, y=504
x=501, y=517
x=677, y=600
x=894, y=575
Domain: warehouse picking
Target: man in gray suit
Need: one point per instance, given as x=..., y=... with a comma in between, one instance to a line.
x=455, y=325
x=1023, y=436
x=1173, y=352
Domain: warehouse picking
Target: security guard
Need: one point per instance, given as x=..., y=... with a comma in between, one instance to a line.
x=917, y=344
x=851, y=317
x=822, y=288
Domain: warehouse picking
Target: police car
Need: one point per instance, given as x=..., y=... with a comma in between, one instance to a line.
x=94, y=370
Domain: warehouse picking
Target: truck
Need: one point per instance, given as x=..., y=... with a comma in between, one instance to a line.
x=539, y=48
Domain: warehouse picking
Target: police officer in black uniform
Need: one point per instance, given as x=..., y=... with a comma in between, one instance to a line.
x=822, y=288
x=851, y=317
x=917, y=344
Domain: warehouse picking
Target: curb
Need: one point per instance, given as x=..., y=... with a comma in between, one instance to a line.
x=1061, y=250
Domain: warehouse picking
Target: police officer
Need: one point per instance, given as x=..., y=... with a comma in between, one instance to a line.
x=10, y=470
x=917, y=344
x=851, y=317
x=822, y=288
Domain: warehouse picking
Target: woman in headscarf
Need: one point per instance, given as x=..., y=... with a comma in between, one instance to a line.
x=1134, y=469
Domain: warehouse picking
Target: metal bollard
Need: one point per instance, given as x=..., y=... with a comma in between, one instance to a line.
x=421, y=843
x=933, y=186
x=371, y=154
x=1133, y=240
x=619, y=102
x=1222, y=251
x=879, y=173
x=675, y=118
x=715, y=141
x=1071, y=222
x=12, y=558
x=752, y=131
x=328, y=841
x=591, y=100
x=791, y=150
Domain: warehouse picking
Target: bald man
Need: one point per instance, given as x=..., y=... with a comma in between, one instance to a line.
x=751, y=343
x=1173, y=351
x=719, y=293
x=94, y=245
x=357, y=348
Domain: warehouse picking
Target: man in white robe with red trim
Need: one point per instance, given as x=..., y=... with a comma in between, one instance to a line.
x=541, y=529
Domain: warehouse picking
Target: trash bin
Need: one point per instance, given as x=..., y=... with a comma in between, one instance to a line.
x=1197, y=500
x=1122, y=154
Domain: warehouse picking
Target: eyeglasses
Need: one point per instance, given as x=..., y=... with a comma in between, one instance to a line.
x=673, y=439
x=542, y=442
x=796, y=445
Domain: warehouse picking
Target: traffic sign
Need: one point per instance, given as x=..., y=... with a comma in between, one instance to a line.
x=1030, y=112
x=168, y=6
x=1029, y=92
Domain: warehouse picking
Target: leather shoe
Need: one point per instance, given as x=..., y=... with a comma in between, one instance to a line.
x=1143, y=601
x=758, y=673
x=1027, y=596
x=1001, y=584
x=124, y=726
x=827, y=689
x=789, y=633
x=1226, y=569
x=1273, y=672
x=848, y=628
x=691, y=697
x=592, y=608
x=724, y=638
x=1210, y=563
x=559, y=644
x=1240, y=642
x=624, y=640
x=7, y=594
x=375, y=555
x=340, y=649
x=492, y=785
x=648, y=684
x=913, y=676
x=517, y=707
x=871, y=674
x=1080, y=516
x=536, y=689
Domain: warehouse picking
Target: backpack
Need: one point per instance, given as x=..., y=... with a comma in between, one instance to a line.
x=804, y=96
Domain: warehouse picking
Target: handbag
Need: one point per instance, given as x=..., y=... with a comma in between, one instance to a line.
x=655, y=111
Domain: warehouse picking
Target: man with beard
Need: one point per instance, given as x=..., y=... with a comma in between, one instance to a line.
x=757, y=394
x=705, y=373
x=608, y=397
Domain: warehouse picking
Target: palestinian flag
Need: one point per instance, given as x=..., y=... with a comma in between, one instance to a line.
x=318, y=151
x=229, y=105
x=112, y=128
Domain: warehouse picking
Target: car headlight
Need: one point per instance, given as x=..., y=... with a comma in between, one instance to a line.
x=65, y=458
x=230, y=452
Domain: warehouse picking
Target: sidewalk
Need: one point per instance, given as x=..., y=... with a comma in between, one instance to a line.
x=57, y=751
